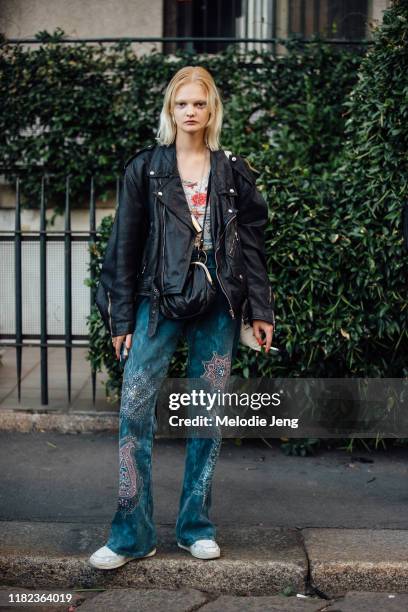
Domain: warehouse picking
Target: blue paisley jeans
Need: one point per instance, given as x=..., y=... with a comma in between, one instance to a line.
x=212, y=341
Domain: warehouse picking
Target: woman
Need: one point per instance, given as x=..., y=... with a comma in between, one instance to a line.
x=180, y=191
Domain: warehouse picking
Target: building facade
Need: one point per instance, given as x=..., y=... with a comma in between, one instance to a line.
x=333, y=19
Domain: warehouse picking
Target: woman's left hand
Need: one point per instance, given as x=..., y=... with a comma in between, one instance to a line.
x=267, y=328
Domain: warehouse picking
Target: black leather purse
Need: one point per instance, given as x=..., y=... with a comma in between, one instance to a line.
x=199, y=290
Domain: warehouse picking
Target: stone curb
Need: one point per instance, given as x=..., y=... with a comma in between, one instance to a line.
x=220, y=576
x=24, y=421
x=254, y=561
x=67, y=423
x=343, y=560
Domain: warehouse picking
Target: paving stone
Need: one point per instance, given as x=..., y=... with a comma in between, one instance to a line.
x=77, y=599
x=371, y=602
x=276, y=603
x=145, y=600
x=343, y=560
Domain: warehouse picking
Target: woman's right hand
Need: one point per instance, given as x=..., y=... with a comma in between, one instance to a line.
x=117, y=343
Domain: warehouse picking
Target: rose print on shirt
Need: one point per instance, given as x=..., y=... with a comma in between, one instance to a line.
x=199, y=199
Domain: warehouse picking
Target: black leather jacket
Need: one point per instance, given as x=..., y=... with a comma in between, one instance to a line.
x=152, y=238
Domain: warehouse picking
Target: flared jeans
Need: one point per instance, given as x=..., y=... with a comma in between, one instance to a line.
x=212, y=341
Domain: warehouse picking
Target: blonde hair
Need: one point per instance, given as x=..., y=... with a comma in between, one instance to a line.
x=166, y=133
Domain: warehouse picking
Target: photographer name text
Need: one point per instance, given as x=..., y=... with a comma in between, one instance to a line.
x=236, y=421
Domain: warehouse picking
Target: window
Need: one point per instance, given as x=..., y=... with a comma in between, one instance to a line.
x=338, y=19
x=216, y=18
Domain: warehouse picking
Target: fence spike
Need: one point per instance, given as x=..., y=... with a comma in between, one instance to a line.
x=68, y=287
x=18, y=288
x=43, y=297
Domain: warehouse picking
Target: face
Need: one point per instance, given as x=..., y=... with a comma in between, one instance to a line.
x=191, y=111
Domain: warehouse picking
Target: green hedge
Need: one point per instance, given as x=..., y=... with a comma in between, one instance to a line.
x=84, y=109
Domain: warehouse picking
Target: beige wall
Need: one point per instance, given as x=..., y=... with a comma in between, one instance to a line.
x=82, y=18
x=376, y=9
x=282, y=17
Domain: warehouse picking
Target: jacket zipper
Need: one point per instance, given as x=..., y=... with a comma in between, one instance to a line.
x=164, y=244
x=216, y=270
x=110, y=312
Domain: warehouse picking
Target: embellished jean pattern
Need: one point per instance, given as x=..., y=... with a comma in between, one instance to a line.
x=212, y=341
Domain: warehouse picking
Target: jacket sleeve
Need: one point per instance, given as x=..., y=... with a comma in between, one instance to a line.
x=124, y=251
x=252, y=219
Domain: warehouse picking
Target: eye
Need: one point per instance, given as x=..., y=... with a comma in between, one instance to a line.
x=180, y=104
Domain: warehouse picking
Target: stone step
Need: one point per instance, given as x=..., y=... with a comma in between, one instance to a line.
x=255, y=561
x=55, y=555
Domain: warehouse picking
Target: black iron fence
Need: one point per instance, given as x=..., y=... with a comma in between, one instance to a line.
x=41, y=263
x=179, y=39
x=187, y=43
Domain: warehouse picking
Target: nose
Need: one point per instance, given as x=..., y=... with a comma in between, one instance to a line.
x=190, y=111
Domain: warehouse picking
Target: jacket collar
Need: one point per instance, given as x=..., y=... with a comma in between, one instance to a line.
x=163, y=164
x=169, y=189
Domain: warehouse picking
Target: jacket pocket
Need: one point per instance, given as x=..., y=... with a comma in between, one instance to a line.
x=231, y=236
x=233, y=251
x=235, y=246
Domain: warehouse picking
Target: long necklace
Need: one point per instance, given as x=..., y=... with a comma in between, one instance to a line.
x=198, y=227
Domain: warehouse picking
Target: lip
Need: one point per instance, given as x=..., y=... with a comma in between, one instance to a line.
x=191, y=121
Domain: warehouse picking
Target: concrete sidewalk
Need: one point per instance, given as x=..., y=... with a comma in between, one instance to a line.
x=328, y=524
x=81, y=385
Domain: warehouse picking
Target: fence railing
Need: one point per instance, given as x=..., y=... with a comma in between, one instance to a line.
x=181, y=39
x=41, y=269
x=171, y=43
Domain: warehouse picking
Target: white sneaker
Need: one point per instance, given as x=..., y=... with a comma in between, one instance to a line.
x=203, y=549
x=105, y=558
